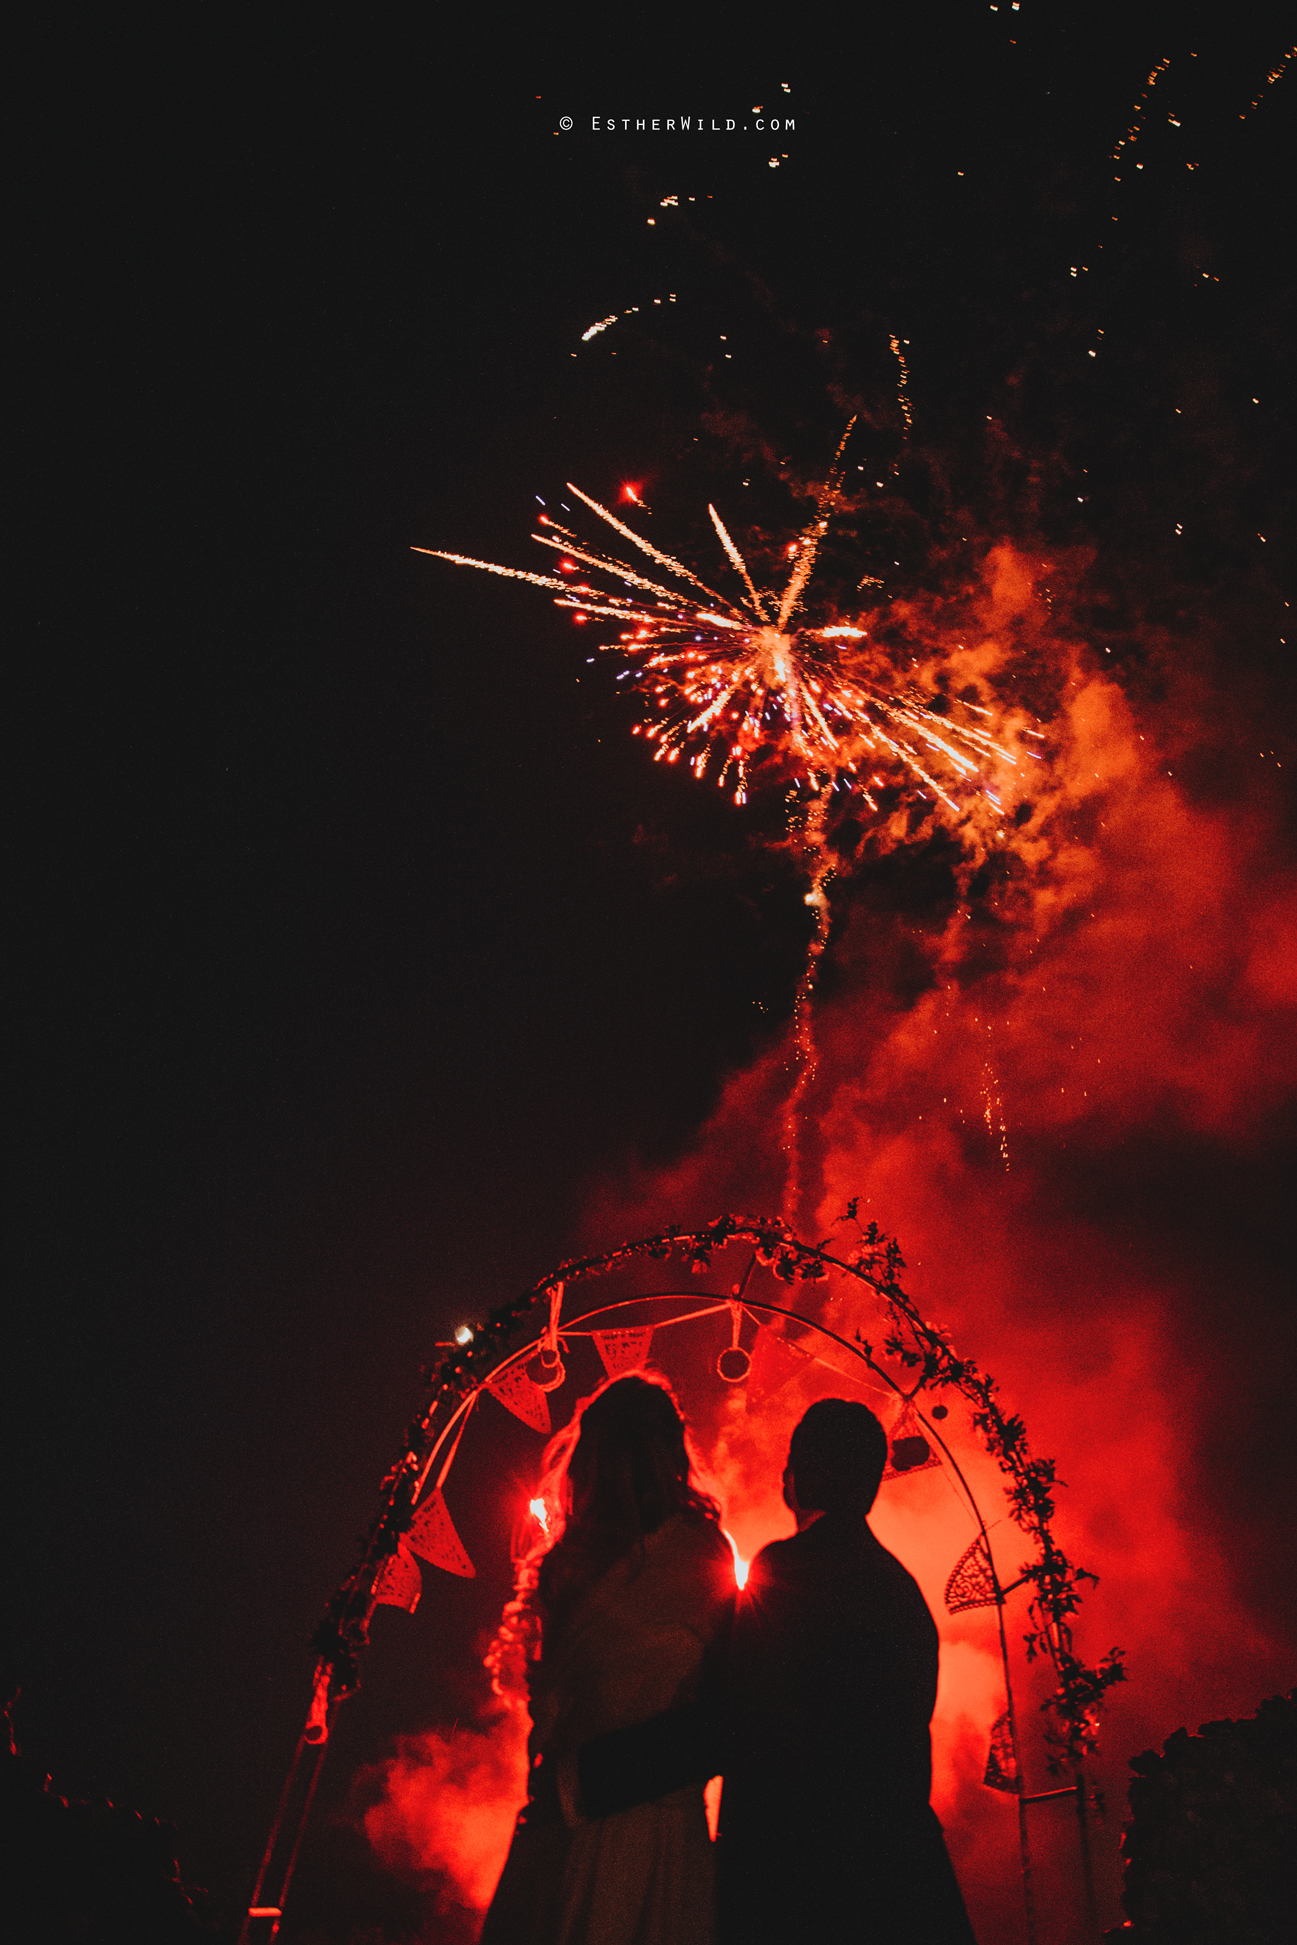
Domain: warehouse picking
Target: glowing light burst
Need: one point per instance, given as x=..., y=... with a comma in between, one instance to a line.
x=753, y=692
x=741, y=1565
x=746, y=691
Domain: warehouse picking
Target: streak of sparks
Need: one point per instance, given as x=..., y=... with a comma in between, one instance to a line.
x=821, y=866
x=732, y=690
x=993, y=1110
x=1274, y=74
x=822, y=709
x=1137, y=112
x=903, y=389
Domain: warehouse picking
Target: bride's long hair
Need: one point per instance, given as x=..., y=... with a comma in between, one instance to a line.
x=614, y=1475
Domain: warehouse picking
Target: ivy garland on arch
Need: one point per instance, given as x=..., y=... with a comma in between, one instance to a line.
x=872, y=1258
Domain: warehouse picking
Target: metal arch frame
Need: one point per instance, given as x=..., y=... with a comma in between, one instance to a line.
x=465, y=1374
x=457, y=1423
x=743, y=1302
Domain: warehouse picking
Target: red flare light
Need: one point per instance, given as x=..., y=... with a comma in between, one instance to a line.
x=740, y=1564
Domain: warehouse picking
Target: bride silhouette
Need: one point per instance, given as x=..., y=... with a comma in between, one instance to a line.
x=626, y=1603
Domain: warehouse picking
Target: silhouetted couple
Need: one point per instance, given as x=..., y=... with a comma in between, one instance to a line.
x=812, y=1701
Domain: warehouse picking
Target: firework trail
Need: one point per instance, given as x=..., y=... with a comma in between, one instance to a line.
x=756, y=692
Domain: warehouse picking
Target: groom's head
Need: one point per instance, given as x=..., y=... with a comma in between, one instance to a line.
x=837, y=1457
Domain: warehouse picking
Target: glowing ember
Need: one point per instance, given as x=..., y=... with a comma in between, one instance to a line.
x=538, y=1513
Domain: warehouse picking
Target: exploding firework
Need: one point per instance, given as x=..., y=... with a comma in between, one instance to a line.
x=757, y=692
x=754, y=692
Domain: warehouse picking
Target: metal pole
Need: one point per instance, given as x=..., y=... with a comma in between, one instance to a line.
x=1024, y=1847
x=291, y=1866
x=309, y=1740
x=1076, y=1791
x=258, y=1889
x=1087, y=1862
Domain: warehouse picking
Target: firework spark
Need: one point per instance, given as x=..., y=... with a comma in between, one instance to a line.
x=755, y=692
x=750, y=691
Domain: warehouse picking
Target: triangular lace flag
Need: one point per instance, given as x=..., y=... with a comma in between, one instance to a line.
x=774, y=1361
x=400, y=1583
x=907, y=1449
x=623, y=1350
x=519, y=1395
x=433, y=1537
x=972, y=1584
x=1001, y=1763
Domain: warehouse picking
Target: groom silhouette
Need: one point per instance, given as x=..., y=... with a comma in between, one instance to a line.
x=831, y=1678
x=817, y=1716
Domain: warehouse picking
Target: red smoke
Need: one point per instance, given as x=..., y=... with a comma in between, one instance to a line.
x=447, y=1807
x=1040, y=1090
x=1126, y=1006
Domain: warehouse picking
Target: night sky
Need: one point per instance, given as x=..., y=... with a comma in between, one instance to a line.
x=367, y=967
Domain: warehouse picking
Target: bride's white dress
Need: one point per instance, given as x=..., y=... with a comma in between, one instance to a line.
x=632, y=1647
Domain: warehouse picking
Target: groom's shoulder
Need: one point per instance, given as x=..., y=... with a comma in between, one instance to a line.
x=793, y=1548
x=786, y=1559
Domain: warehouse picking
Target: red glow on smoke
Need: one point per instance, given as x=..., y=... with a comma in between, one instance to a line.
x=1116, y=1015
x=1035, y=1088
x=445, y=1808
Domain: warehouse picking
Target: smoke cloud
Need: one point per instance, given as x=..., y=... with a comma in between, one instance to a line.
x=1062, y=1093
x=445, y=1808
x=1058, y=1082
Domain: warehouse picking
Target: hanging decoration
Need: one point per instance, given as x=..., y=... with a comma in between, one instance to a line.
x=734, y=1364
x=546, y=1369
x=623, y=1350
x=399, y=1582
x=518, y=1394
x=1001, y=1762
x=433, y=1537
x=317, y=1721
x=908, y=1450
x=972, y=1581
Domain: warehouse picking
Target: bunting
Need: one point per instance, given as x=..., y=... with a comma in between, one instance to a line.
x=972, y=1583
x=623, y=1350
x=1001, y=1763
x=433, y=1537
x=400, y=1583
x=908, y=1449
x=519, y=1395
x=775, y=1360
